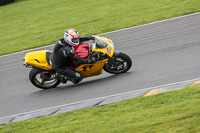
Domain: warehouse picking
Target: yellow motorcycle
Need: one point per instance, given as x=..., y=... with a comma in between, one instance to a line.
x=43, y=76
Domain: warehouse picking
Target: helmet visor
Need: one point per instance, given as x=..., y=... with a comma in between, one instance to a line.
x=75, y=40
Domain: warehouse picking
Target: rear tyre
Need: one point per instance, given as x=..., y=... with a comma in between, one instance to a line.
x=122, y=63
x=44, y=79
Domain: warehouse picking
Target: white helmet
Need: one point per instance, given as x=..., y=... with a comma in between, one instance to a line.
x=71, y=36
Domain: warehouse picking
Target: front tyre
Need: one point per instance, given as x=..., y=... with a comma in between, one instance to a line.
x=120, y=63
x=44, y=79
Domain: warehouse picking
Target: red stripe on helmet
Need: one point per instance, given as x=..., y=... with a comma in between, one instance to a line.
x=71, y=35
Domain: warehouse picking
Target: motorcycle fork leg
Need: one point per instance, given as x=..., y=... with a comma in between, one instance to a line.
x=112, y=61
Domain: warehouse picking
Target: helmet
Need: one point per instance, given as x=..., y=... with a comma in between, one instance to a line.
x=71, y=36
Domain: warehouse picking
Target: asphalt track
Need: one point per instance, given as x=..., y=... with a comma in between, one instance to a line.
x=162, y=53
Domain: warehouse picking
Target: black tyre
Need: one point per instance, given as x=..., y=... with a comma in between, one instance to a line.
x=44, y=79
x=122, y=64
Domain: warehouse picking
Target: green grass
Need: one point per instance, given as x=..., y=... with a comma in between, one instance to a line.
x=171, y=112
x=27, y=24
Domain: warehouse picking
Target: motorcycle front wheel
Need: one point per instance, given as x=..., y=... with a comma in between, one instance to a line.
x=44, y=79
x=122, y=63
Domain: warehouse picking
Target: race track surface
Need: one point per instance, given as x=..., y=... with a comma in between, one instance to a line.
x=162, y=53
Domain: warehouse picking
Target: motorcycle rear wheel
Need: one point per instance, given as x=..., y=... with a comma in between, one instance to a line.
x=122, y=64
x=44, y=79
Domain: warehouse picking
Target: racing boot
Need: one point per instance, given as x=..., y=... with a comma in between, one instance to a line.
x=77, y=79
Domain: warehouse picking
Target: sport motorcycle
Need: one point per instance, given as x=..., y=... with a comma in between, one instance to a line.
x=43, y=76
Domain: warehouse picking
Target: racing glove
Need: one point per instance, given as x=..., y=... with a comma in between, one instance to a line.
x=92, y=37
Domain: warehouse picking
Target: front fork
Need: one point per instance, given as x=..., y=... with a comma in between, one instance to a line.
x=112, y=60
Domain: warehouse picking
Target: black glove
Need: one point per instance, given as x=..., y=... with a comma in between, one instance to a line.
x=92, y=60
x=92, y=37
x=87, y=38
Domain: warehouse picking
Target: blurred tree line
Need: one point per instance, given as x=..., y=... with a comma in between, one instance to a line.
x=4, y=2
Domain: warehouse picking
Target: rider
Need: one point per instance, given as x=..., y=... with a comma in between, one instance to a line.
x=63, y=51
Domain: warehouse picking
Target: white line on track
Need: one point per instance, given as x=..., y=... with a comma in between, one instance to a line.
x=147, y=89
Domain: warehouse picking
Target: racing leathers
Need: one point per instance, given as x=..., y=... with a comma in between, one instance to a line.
x=62, y=52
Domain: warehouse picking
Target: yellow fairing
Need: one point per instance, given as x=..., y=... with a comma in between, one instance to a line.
x=87, y=70
x=109, y=50
x=38, y=59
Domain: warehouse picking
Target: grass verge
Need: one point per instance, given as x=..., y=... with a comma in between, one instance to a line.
x=27, y=24
x=176, y=111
